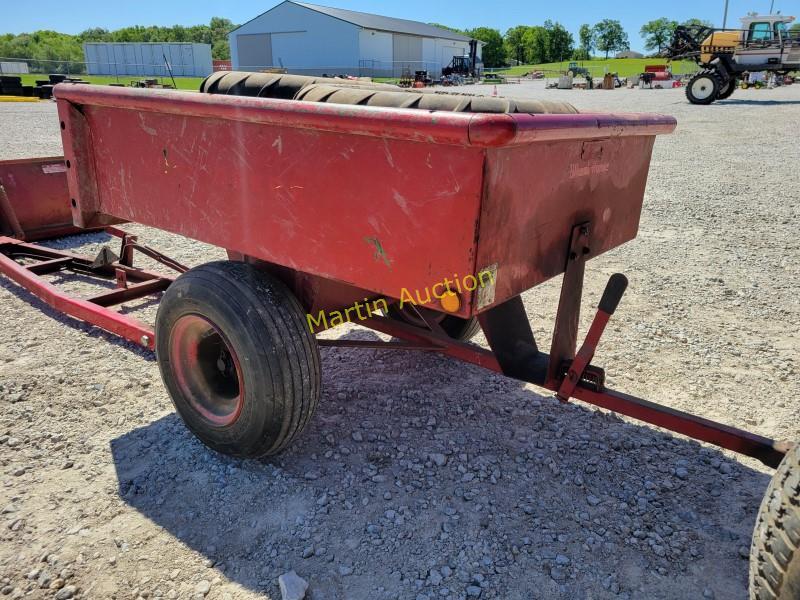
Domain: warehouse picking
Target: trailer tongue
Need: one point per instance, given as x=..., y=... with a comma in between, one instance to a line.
x=326, y=203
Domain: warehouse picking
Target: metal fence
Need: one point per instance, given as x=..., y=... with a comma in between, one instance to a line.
x=397, y=68
x=678, y=69
x=365, y=68
x=123, y=71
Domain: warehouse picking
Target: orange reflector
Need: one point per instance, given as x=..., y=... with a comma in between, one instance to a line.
x=450, y=301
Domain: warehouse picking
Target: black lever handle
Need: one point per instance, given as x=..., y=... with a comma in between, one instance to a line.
x=615, y=288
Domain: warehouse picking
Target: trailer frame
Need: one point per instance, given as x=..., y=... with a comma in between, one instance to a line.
x=566, y=371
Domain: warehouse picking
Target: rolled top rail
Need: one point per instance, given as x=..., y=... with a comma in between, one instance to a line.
x=438, y=127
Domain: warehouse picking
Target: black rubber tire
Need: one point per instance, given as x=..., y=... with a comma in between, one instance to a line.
x=457, y=328
x=712, y=80
x=461, y=329
x=424, y=99
x=727, y=90
x=264, y=324
x=275, y=85
x=775, y=550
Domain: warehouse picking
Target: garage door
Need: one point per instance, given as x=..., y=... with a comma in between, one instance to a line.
x=255, y=51
x=407, y=53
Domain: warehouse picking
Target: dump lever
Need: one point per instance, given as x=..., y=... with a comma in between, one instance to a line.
x=615, y=288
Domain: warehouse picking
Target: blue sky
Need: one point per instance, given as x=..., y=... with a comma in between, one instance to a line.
x=500, y=14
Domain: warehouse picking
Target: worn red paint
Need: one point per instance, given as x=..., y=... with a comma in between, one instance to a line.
x=380, y=199
x=34, y=199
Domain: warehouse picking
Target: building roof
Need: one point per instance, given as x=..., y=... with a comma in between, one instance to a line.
x=370, y=21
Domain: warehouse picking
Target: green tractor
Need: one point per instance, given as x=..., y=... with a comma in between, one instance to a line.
x=576, y=71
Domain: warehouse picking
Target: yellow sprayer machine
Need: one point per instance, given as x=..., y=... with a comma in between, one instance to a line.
x=764, y=43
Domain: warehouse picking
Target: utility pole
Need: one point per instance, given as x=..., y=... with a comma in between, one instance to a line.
x=725, y=16
x=771, y=6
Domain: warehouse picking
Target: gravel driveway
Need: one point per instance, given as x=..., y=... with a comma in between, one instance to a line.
x=421, y=477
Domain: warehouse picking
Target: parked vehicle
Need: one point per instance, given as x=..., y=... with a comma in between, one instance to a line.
x=764, y=43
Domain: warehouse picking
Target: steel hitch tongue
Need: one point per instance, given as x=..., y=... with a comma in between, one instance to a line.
x=578, y=370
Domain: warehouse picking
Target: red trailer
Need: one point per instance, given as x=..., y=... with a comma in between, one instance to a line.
x=334, y=209
x=34, y=199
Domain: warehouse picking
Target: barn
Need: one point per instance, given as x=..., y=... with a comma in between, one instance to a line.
x=314, y=40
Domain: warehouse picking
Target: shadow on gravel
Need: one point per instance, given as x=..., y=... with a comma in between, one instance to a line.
x=736, y=102
x=90, y=330
x=422, y=477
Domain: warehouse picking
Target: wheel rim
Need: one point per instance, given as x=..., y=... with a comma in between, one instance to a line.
x=702, y=88
x=207, y=370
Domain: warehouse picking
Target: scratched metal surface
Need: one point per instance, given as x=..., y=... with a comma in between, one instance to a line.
x=382, y=199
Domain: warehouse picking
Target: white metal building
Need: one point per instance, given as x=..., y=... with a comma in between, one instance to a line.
x=314, y=40
x=13, y=68
x=147, y=58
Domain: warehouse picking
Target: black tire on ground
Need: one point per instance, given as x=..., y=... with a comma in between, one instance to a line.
x=703, y=88
x=775, y=550
x=237, y=358
x=460, y=329
x=457, y=328
x=727, y=89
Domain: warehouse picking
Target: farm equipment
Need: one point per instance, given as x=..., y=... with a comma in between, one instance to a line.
x=469, y=65
x=324, y=203
x=575, y=70
x=764, y=43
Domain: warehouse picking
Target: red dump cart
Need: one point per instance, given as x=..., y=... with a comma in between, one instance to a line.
x=422, y=224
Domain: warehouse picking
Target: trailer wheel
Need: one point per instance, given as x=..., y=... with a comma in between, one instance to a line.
x=775, y=550
x=457, y=328
x=236, y=356
x=703, y=88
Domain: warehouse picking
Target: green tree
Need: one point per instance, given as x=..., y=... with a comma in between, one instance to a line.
x=219, y=29
x=96, y=34
x=581, y=54
x=610, y=36
x=701, y=22
x=586, y=39
x=560, y=43
x=657, y=33
x=447, y=27
x=537, y=45
x=514, y=44
x=50, y=51
x=46, y=51
x=493, y=53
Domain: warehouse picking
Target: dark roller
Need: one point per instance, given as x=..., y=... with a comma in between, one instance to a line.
x=273, y=85
x=365, y=93
x=430, y=100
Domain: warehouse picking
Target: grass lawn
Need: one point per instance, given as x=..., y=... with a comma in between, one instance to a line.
x=625, y=67
x=184, y=83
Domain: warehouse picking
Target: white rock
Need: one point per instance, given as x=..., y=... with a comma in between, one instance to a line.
x=293, y=587
x=203, y=587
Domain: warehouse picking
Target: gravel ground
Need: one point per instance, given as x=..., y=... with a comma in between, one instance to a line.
x=421, y=477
